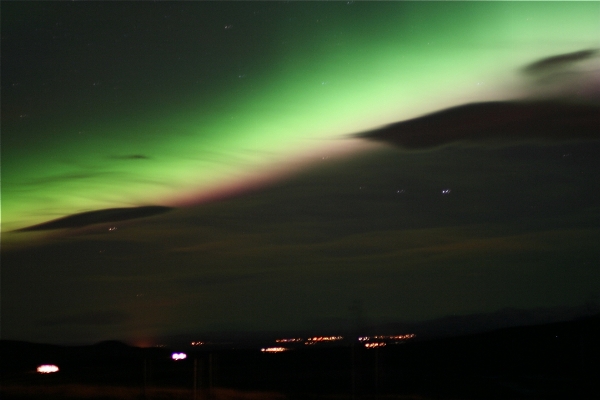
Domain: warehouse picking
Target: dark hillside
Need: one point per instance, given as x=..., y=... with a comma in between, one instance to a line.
x=558, y=360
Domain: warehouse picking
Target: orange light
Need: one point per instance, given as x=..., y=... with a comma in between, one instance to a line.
x=324, y=338
x=374, y=345
x=273, y=349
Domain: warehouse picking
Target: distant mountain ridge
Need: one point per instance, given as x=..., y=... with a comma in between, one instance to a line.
x=448, y=326
x=456, y=325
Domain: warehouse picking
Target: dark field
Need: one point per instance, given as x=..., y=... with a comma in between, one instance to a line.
x=560, y=360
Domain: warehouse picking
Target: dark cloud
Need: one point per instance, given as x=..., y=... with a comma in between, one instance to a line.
x=110, y=317
x=560, y=61
x=510, y=121
x=98, y=217
x=573, y=76
x=130, y=157
x=565, y=107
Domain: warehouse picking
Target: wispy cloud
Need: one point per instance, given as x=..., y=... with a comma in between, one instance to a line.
x=97, y=217
x=130, y=157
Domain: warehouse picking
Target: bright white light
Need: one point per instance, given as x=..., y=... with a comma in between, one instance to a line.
x=178, y=356
x=47, y=369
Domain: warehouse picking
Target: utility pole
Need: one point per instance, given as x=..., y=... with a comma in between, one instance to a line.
x=356, y=312
x=353, y=370
x=195, y=376
x=145, y=379
x=376, y=370
x=210, y=376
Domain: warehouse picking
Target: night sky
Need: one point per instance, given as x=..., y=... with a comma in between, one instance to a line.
x=181, y=167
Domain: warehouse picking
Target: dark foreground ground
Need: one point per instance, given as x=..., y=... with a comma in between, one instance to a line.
x=553, y=361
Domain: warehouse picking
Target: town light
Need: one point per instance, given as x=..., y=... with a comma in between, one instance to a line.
x=47, y=369
x=274, y=349
x=178, y=356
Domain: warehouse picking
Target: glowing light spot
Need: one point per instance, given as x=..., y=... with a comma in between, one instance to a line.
x=273, y=349
x=374, y=345
x=319, y=339
x=386, y=338
x=178, y=356
x=47, y=369
x=290, y=340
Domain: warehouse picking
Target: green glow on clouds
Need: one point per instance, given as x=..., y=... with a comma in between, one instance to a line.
x=327, y=71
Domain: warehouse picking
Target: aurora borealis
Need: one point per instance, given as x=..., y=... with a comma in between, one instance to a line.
x=243, y=117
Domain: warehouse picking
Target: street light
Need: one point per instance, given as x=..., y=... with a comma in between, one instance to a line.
x=47, y=369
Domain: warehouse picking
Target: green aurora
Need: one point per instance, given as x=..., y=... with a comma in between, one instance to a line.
x=243, y=116
x=190, y=101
